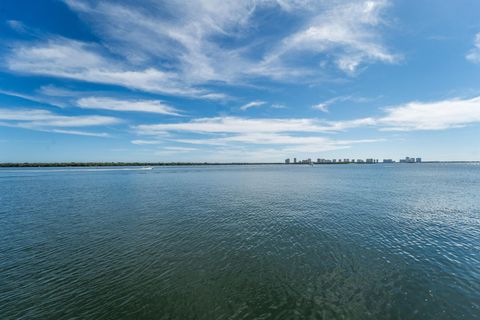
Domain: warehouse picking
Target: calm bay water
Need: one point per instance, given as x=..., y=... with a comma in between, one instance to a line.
x=241, y=242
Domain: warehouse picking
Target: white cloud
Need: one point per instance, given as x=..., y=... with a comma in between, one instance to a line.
x=416, y=116
x=105, y=103
x=474, y=54
x=16, y=25
x=54, y=91
x=81, y=61
x=175, y=151
x=146, y=142
x=321, y=106
x=346, y=30
x=252, y=104
x=314, y=142
x=34, y=98
x=80, y=133
x=47, y=118
x=282, y=143
x=180, y=149
x=184, y=39
x=237, y=125
x=240, y=125
x=436, y=115
x=294, y=5
x=43, y=120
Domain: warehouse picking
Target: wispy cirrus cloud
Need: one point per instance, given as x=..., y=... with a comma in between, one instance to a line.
x=324, y=106
x=77, y=132
x=44, y=120
x=178, y=48
x=174, y=151
x=252, y=104
x=66, y=58
x=240, y=125
x=16, y=25
x=313, y=142
x=146, y=142
x=474, y=54
x=348, y=31
x=176, y=31
x=114, y=104
x=34, y=98
x=54, y=91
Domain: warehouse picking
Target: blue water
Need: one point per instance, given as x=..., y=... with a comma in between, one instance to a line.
x=241, y=242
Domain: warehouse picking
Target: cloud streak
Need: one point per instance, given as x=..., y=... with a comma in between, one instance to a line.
x=241, y=125
x=345, y=30
x=252, y=104
x=34, y=98
x=106, y=103
x=66, y=58
x=323, y=106
x=474, y=54
x=44, y=120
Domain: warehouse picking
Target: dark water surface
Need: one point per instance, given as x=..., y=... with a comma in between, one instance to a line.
x=241, y=242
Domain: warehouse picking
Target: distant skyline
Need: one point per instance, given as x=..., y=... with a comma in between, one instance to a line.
x=239, y=81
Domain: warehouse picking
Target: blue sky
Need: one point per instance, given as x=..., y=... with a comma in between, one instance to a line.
x=220, y=80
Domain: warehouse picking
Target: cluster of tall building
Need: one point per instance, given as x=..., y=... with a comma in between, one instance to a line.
x=324, y=161
x=411, y=160
x=341, y=161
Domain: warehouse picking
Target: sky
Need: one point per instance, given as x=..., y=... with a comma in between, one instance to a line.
x=238, y=81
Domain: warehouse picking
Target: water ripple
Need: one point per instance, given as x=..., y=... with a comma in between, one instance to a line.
x=255, y=242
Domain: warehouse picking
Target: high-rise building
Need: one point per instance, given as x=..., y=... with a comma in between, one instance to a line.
x=410, y=160
x=294, y=160
x=287, y=161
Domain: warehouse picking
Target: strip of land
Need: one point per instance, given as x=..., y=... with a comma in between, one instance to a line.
x=121, y=164
x=157, y=164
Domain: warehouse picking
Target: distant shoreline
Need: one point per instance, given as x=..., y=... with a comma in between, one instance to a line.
x=166, y=164
x=122, y=164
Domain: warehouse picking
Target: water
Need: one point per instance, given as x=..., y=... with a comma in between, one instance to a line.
x=241, y=242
